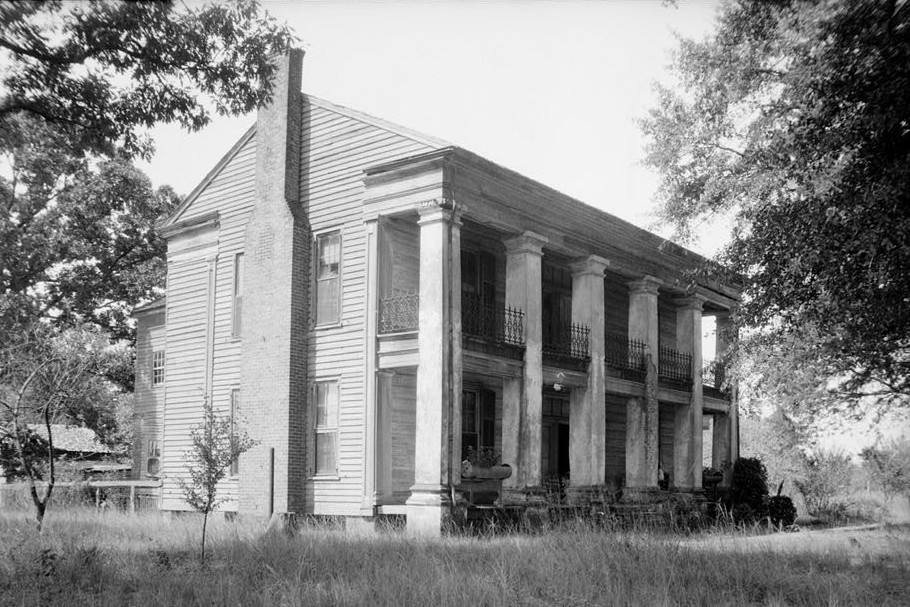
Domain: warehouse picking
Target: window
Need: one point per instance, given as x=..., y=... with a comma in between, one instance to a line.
x=235, y=410
x=328, y=278
x=154, y=457
x=478, y=420
x=237, y=313
x=157, y=367
x=326, y=428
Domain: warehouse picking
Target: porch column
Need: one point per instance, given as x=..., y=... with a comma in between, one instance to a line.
x=587, y=416
x=642, y=436
x=383, y=466
x=720, y=445
x=687, y=424
x=522, y=416
x=428, y=505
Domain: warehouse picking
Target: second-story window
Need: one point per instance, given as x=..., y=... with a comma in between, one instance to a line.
x=328, y=278
x=237, y=312
x=157, y=368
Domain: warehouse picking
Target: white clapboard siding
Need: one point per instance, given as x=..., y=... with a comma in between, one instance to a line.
x=339, y=146
x=231, y=192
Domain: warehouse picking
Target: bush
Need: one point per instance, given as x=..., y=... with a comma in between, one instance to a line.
x=826, y=482
x=750, y=487
x=781, y=511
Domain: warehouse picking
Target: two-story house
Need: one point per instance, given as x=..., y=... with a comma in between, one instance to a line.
x=370, y=302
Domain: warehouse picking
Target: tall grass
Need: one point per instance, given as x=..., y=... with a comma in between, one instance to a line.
x=112, y=558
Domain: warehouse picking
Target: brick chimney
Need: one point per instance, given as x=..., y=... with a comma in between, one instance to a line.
x=275, y=299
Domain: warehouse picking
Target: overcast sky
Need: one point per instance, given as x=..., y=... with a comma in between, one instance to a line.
x=550, y=89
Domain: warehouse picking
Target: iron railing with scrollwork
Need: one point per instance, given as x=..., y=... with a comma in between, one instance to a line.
x=399, y=312
x=675, y=366
x=571, y=344
x=626, y=356
x=491, y=323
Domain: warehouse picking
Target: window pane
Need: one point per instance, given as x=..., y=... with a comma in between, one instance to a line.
x=468, y=412
x=325, y=453
x=329, y=255
x=327, y=404
x=327, y=300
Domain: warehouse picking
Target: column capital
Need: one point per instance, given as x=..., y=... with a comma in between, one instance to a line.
x=693, y=302
x=590, y=265
x=526, y=242
x=431, y=214
x=646, y=284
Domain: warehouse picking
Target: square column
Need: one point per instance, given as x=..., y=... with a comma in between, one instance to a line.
x=642, y=419
x=522, y=418
x=587, y=416
x=428, y=505
x=687, y=424
x=720, y=445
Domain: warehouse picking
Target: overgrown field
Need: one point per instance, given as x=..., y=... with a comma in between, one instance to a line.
x=110, y=558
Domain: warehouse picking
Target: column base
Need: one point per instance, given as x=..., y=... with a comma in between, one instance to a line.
x=429, y=510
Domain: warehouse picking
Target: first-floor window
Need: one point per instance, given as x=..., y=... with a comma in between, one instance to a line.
x=326, y=428
x=154, y=457
x=478, y=420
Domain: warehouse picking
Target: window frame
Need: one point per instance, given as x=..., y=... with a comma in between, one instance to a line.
x=325, y=429
x=158, y=370
x=484, y=426
x=153, y=452
x=318, y=239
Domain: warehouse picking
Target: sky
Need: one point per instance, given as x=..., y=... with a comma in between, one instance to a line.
x=552, y=90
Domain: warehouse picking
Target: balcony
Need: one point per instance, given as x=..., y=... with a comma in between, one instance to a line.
x=486, y=323
x=674, y=367
x=712, y=378
x=626, y=357
x=568, y=346
x=398, y=313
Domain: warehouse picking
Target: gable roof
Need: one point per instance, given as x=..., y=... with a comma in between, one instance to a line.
x=397, y=129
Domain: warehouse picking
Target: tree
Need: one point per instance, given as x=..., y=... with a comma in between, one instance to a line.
x=826, y=481
x=889, y=466
x=105, y=71
x=792, y=119
x=77, y=239
x=217, y=443
x=49, y=377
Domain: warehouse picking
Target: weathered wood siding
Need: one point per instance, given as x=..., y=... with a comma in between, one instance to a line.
x=616, y=438
x=404, y=432
x=616, y=306
x=336, y=148
x=667, y=413
x=232, y=194
x=404, y=250
x=148, y=402
x=666, y=317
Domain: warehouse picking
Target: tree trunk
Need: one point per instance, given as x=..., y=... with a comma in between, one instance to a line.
x=205, y=520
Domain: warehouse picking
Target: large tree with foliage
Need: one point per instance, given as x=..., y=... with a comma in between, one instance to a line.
x=107, y=70
x=793, y=119
x=81, y=84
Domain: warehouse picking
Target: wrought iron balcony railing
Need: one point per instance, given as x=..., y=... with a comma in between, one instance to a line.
x=488, y=322
x=675, y=366
x=626, y=356
x=571, y=344
x=399, y=312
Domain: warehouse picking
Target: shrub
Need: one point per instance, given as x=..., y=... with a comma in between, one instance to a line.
x=781, y=511
x=826, y=481
x=750, y=487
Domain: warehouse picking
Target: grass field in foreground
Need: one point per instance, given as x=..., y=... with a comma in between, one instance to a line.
x=110, y=558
